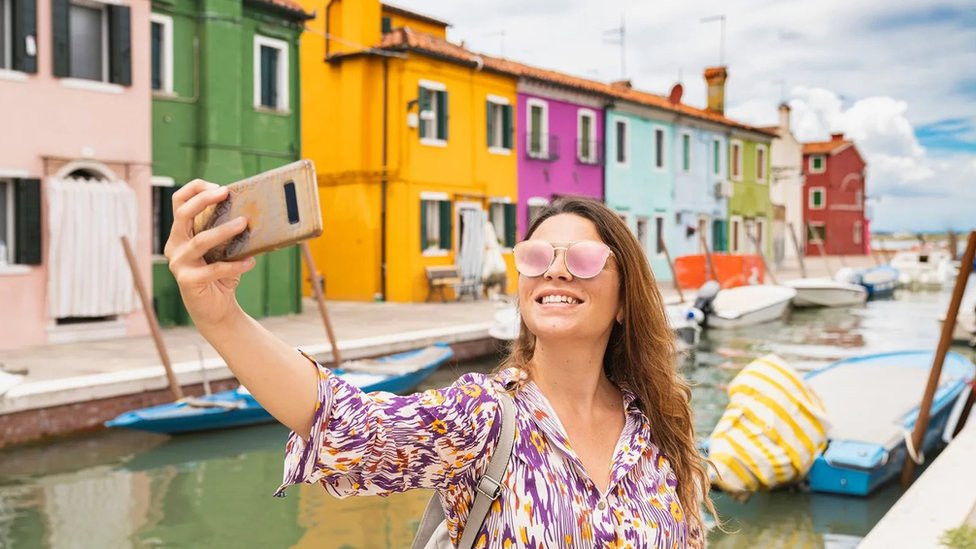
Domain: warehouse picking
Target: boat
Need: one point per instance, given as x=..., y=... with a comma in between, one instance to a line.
x=879, y=281
x=749, y=305
x=872, y=403
x=825, y=292
x=395, y=373
x=925, y=268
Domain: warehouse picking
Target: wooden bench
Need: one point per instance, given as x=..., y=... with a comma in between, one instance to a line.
x=448, y=276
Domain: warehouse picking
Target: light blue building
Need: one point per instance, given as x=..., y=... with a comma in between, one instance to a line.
x=640, y=175
x=701, y=186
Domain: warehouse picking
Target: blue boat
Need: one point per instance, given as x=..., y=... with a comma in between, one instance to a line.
x=879, y=281
x=873, y=402
x=396, y=373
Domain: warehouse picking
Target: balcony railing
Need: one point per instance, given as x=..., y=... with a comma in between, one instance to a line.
x=589, y=151
x=541, y=146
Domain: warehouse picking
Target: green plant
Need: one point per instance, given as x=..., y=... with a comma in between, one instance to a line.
x=963, y=537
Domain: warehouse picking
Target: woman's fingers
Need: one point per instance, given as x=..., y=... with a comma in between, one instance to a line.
x=182, y=229
x=206, y=274
x=207, y=240
x=183, y=216
x=189, y=190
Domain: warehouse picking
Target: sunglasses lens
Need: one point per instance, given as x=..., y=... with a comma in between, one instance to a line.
x=533, y=257
x=587, y=259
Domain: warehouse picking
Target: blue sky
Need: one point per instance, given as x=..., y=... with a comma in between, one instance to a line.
x=898, y=77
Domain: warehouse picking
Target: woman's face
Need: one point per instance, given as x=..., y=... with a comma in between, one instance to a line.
x=595, y=303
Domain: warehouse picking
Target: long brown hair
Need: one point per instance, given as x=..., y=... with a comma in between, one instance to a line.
x=641, y=353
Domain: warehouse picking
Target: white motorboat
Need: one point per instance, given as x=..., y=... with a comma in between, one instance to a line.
x=749, y=305
x=824, y=292
x=927, y=268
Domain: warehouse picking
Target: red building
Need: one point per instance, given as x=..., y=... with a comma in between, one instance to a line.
x=833, y=191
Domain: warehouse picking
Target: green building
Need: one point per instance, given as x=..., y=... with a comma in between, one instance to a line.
x=750, y=209
x=225, y=106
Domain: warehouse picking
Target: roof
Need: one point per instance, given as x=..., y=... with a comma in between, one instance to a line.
x=836, y=143
x=411, y=40
x=288, y=6
x=413, y=15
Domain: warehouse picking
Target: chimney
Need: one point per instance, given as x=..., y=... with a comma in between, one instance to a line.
x=676, y=92
x=621, y=84
x=837, y=136
x=784, y=118
x=715, y=77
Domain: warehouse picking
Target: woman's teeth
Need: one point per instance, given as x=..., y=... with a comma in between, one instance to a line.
x=559, y=299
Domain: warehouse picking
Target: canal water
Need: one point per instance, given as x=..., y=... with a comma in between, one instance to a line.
x=119, y=489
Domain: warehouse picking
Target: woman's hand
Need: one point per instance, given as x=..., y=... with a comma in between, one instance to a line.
x=207, y=289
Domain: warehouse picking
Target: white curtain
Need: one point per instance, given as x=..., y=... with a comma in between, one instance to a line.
x=471, y=254
x=88, y=274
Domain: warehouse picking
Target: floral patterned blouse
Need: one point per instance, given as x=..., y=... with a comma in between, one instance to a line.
x=381, y=443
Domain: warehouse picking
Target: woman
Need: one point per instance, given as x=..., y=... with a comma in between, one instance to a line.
x=605, y=453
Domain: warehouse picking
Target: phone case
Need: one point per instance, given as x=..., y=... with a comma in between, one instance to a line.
x=281, y=207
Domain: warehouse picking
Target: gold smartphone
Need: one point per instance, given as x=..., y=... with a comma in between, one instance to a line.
x=281, y=207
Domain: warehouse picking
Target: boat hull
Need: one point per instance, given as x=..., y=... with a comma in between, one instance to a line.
x=828, y=294
x=750, y=305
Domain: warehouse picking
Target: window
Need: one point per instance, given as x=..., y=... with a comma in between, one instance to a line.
x=817, y=232
x=621, y=131
x=162, y=211
x=717, y=157
x=386, y=24
x=858, y=232
x=6, y=38
x=538, y=142
x=760, y=233
x=818, y=164
x=659, y=234
x=534, y=205
x=20, y=222
x=161, y=30
x=719, y=235
x=435, y=223
x=7, y=227
x=859, y=199
x=735, y=234
x=270, y=73
x=433, y=112
x=503, y=219
x=659, y=151
x=89, y=41
x=761, y=163
x=642, y=228
x=685, y=152
x=817, y=198
x=736, y=160
x=586, y=145
x=499, y=117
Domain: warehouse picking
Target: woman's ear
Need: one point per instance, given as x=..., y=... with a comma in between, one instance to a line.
x=620, y=316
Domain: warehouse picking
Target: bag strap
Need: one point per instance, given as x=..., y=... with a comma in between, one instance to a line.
x=486, y=491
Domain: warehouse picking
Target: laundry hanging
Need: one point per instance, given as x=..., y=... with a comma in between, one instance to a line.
x=471, y=252
x=88, y=275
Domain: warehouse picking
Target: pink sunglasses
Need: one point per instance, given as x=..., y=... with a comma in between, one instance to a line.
x=584, y=259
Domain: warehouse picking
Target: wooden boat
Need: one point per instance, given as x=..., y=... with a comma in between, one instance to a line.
x=872, y=403
x=748, y=305
x=396, y=373
x=824, y=292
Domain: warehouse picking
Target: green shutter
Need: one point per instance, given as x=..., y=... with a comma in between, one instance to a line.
x=24, y=29
x=442, y=114
x=423, y=98
x=120, y=45
x=490, y=126
x=61, y=31
x=686, y=152
x=716, y=158
x=156, y=55
x=386, y=24
x=423, y=225
x=507, y=126
x=27, y=207
x=446, y=217
x=510, y=237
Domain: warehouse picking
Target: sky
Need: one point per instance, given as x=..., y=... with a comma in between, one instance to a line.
x=899, y=78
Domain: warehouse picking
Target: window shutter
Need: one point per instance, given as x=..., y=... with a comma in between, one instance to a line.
x=27, y=207
x=446, y=217
x=165, y=214
x=442, y=115
x=507, y=126
x=510, y=225
x=490, y=125
x=120, y=45
x=25, y=29
x=61, y=37
x=423, y=225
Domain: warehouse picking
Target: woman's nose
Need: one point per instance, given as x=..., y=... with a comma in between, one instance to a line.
x=558, y=268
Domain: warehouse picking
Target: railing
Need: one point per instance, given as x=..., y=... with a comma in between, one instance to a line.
x=589, y=151
x=541, y=146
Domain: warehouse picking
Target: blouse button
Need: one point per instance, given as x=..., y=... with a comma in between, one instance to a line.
x=602, y=505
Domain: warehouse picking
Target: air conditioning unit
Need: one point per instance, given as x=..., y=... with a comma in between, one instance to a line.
x=723, y=189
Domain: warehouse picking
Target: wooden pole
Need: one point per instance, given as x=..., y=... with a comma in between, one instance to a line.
x=316, y=281
x=147, y=309
x=799, y=252
x=820, y=246
x=922, y=423
x=762, y=257
x=708, y=256
x=674, y=273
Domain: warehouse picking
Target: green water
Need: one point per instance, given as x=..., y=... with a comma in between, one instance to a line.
x=129, y=489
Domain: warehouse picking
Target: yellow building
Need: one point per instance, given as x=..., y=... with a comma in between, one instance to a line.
x=406, y=131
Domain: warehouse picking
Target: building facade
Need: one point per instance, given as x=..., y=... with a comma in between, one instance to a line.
x=834, y=194
x=786, y=190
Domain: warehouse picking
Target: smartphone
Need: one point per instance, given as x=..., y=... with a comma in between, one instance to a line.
x=281, y=207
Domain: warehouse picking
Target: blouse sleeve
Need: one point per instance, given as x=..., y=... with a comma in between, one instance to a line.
x=381, y=443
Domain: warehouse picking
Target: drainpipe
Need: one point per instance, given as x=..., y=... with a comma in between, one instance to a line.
x=383, y=180
x=328, y=13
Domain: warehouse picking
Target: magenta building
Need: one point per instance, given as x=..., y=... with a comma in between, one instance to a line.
x=559, y=142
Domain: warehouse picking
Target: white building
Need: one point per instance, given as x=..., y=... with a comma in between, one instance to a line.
x=786, y=189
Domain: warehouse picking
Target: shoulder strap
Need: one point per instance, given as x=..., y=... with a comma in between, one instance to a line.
x=490, y=484
x=486, y=491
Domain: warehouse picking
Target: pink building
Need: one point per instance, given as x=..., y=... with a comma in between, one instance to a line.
x=75, y=168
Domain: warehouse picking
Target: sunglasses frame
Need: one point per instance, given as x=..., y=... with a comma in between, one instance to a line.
x=565, y=246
